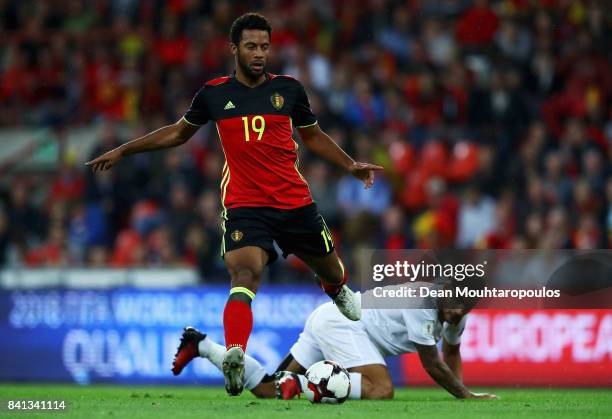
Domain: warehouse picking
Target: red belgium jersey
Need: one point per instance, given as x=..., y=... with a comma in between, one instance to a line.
x=255, y=129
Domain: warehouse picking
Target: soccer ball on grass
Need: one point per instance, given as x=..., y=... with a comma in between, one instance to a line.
x=329, y=382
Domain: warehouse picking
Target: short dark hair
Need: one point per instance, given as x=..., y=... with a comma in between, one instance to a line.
x=249, y=21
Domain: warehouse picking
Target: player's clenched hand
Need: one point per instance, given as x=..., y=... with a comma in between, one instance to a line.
x=106, y=160
x=486, y=396
x=364, y=172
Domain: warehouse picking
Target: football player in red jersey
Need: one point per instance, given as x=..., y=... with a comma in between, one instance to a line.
x=265, y=198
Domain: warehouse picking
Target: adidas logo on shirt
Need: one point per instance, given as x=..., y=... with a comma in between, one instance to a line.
x=229, y=105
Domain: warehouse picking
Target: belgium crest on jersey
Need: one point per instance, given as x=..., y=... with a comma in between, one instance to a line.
x=277, y=101
x=237, y=235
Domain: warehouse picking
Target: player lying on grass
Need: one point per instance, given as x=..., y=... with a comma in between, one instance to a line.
x=359, y=346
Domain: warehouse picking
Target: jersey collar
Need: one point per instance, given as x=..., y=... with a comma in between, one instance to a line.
x=235, y=80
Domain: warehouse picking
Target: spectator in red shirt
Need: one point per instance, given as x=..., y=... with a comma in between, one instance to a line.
x=171, y=46
x=51, y=253
x=478, y=25
x=69, y=184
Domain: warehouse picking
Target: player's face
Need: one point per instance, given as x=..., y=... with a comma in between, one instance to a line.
x=453, y=315
x=252, y=52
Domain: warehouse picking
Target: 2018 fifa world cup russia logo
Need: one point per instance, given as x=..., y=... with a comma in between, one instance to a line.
x=277, y=101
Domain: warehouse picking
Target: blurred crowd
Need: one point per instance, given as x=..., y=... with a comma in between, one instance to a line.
x=493, y=120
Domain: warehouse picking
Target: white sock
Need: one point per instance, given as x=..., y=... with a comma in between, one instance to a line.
x=212, y=351
x=305, y=390
x=355, y=393
x=253, y=371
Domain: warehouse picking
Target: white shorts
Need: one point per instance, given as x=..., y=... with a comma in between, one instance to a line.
x=329, y=335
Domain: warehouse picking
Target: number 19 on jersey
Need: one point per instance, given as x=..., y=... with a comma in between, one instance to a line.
x=257, y=125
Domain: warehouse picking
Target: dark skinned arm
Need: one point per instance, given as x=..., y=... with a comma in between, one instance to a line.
x=320, y=143
x=165, y=137
x=442, y=374
x=452, y=358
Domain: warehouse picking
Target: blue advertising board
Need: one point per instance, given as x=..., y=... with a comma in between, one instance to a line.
x=128, y=335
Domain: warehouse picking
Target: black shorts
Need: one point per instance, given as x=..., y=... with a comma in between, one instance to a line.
x=298, y=230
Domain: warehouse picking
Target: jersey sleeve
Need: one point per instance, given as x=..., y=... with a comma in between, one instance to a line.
x=198, y=114
x=452, y=332
x=421, y=327
x=301, y=114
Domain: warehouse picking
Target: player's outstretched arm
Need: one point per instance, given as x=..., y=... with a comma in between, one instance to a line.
x=165, y=137
x=442, y=374
x=320, y=143
x=452, y=358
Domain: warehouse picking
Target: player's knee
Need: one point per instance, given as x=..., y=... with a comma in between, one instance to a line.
x=379, y=392
x=264, y=391
x=245, y=276
x=248, y=274
x=387, y=392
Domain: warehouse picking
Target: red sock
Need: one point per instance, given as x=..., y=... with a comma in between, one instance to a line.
x=238, y=323
x=333, y=289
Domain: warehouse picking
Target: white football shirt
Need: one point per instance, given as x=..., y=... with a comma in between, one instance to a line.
x=395, y=331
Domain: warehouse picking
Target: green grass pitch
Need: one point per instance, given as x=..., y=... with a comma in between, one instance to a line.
x=211, y=402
